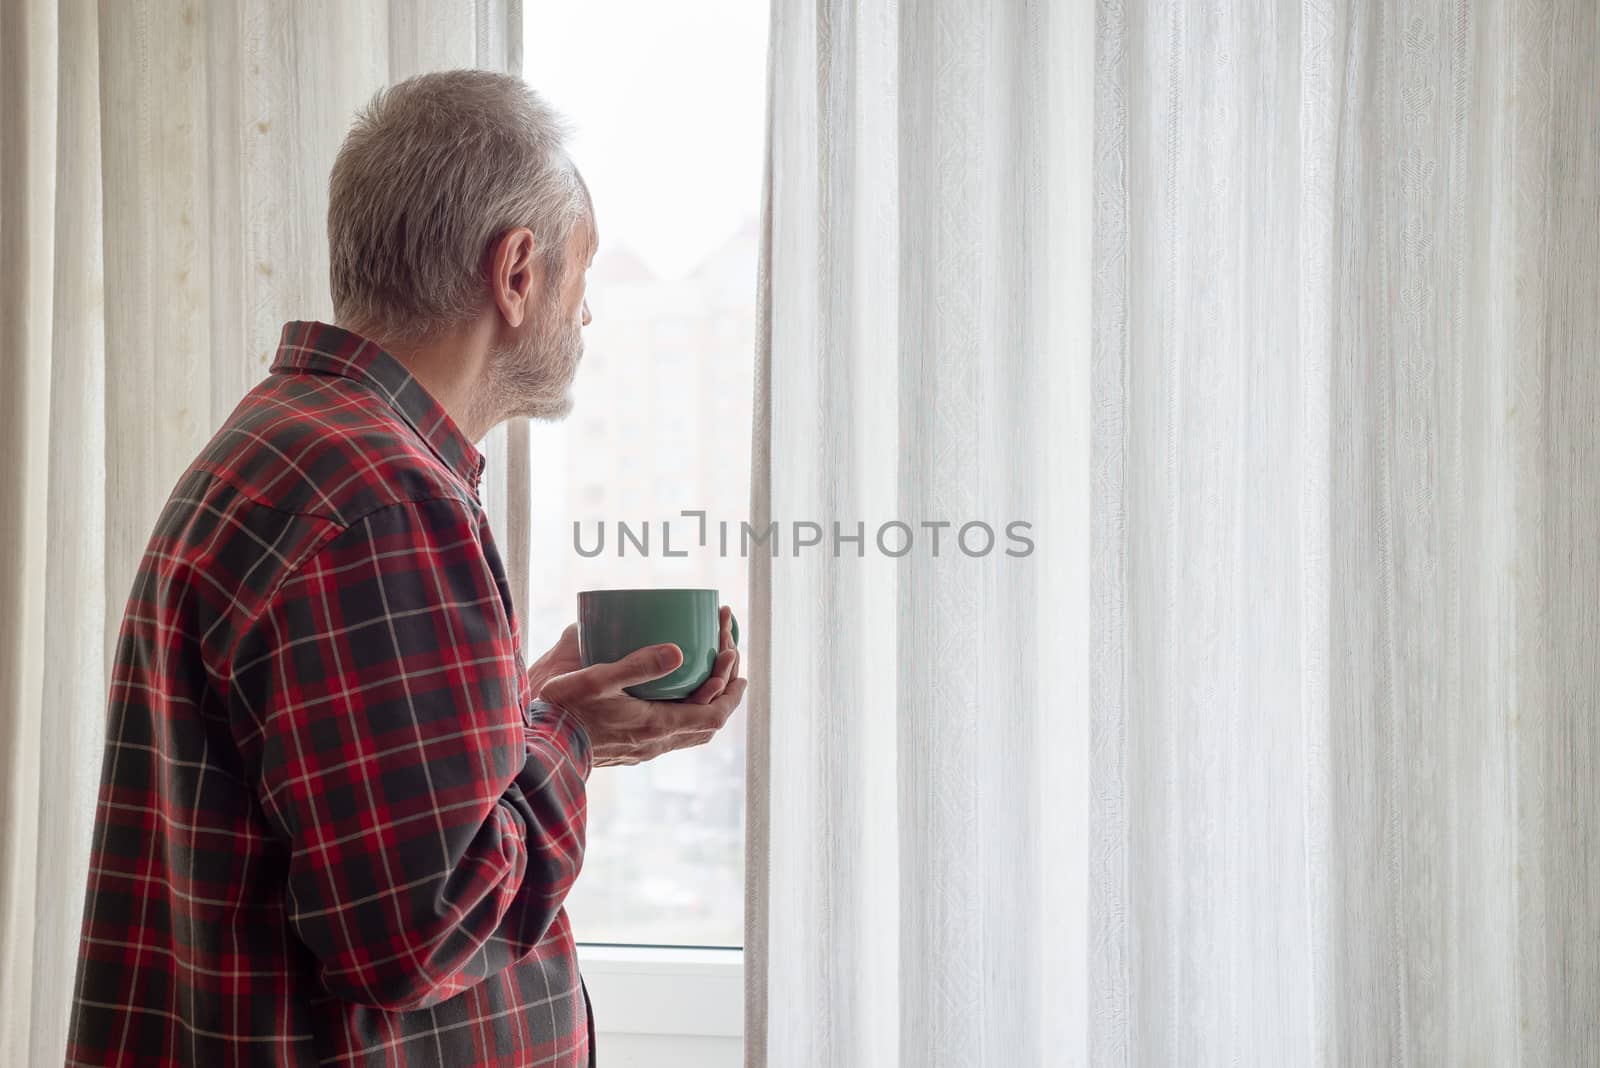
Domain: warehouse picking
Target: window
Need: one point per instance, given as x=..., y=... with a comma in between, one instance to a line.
x=667, y=106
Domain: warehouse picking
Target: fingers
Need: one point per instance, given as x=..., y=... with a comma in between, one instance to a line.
x=641, y=665
x=726, y=667
x=731, y=697
x=686, y=717
x=717, y=681
x=727, y=640
x=733, y=668
x=717, y=713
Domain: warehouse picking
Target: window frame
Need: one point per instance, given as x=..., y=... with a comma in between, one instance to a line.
x=665, y=990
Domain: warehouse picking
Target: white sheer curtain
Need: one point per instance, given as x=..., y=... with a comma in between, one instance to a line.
x=919, y=731
x=163, y=174
x=1282, y=748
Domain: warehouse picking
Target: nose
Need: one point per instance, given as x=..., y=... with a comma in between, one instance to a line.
x=587, y=318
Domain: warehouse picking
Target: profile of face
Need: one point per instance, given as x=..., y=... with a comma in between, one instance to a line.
x=533, y=376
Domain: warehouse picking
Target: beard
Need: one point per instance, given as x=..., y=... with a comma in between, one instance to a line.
x=533, y=377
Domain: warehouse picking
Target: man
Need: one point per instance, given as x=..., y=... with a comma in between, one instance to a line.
x=338, y=817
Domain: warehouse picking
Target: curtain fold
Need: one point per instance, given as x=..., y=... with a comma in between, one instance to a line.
x=1347, y=313
x=52, y=565
x=1281, y=749
x=165, y=197
x=910, y=724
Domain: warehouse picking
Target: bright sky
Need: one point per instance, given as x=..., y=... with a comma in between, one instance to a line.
x=667, y=98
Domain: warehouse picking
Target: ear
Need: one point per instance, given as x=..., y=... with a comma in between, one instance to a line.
x=516, y=274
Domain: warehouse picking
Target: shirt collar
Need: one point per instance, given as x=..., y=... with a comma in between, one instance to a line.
x=324, y=349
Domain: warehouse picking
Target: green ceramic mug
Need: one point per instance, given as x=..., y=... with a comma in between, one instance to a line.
x=614, y=623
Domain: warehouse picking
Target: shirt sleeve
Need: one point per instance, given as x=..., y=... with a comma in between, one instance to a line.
x=433, y=825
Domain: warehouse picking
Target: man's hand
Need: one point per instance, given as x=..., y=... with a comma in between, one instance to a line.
x=562, y=658
x=625, y=730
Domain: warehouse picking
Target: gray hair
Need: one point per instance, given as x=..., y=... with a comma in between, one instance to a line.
x=435, y=168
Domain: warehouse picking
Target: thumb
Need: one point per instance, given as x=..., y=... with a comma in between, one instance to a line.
x=641, y=665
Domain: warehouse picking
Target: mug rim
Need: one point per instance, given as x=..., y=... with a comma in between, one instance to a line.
x=651, y=589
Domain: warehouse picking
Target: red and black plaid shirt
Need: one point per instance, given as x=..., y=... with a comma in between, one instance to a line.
x=334, y=826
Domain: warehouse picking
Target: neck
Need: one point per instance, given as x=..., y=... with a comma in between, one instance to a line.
x=454, y=369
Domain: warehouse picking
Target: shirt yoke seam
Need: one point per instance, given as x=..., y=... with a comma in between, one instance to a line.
x=334, y=530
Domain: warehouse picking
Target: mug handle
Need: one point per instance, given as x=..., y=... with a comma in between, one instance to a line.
x=733, y=622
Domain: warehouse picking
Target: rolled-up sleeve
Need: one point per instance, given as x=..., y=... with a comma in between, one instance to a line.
x=433, y=824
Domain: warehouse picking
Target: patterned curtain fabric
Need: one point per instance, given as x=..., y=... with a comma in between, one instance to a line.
x=164, y=179
x=1280, y=322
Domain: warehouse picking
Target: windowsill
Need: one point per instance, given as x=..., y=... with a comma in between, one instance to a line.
x=654, y=990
